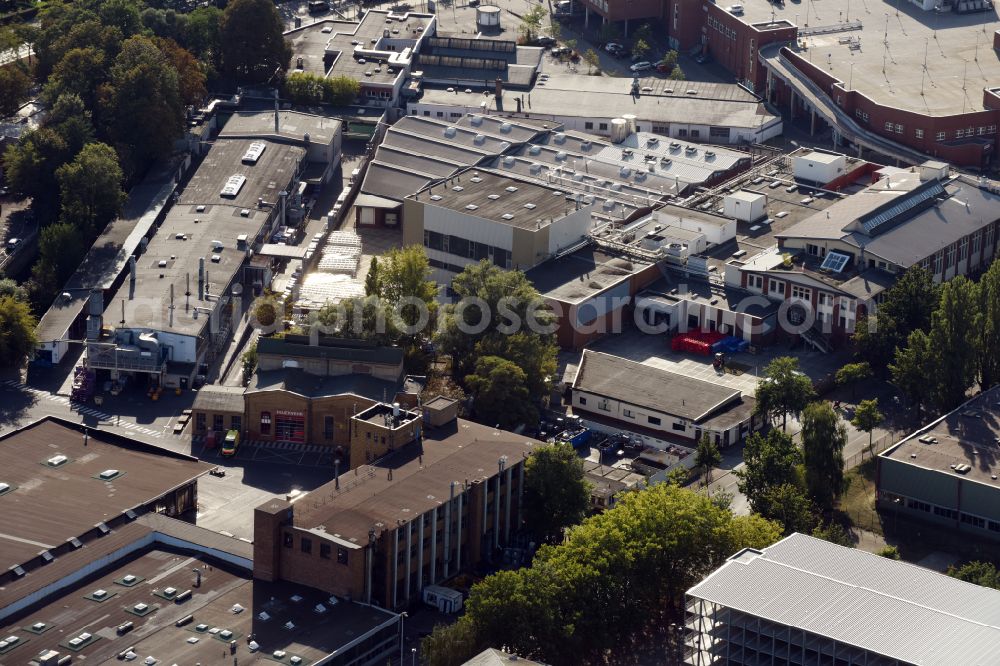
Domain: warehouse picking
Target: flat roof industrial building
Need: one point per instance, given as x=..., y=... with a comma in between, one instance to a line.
x=947, y=472
x=807, y=601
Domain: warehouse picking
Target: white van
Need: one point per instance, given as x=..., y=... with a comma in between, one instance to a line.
x=445, y=599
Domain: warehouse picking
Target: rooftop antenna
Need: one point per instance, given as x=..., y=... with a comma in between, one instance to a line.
x=123, y=314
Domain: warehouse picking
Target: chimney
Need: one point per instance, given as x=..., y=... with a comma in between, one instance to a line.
x=187, y=291
x=499, y=93
x=284, y=196
x=131, y=278
x=201, y=278
x=276, y=119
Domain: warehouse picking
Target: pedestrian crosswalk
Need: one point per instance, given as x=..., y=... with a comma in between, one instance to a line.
x=84, y=409
x=290, y=447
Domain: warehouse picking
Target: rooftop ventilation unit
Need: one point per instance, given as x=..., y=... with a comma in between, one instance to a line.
x=435, y=197
x=450, y=132
x=56, y=461
x=108, y=474
x=479, y=140
x=506, y=128
x=458, y=188
x=511, y=188
x=509, y=162
x=585, y=145
x=690, y=150
x=709, y=154
x=254, y=152
x=530, y=206
x=652, y=141
x=471, y=207
x=535, y=150
x=492, y=197
x=561, y=156
x=625, y=172
x=216, y=258
x=476, y=121
x=200, y=209
x=507, y=216
x=233, y=185
x=559, y=138
x=4, y=487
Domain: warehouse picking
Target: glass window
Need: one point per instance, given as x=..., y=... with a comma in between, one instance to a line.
x=588, y=125
x=328, y=427
x=919, y=133
x=342, y=555
x=265, y=423
x=583, y=401
x=939, y=136
x=217, y=422
x=236, y=422
x=199, y=422
x=306, y=545
x=324, y=551
x=287, y=539
x=654, y=420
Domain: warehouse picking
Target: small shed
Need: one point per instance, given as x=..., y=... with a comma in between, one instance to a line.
x=745, y=205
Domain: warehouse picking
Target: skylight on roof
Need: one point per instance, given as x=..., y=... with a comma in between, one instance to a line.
x=511, y=188
x=872, y=224
x=530, y=206
x=835, y=262
x=435, y=197
x=507, y=216
x=233, y=185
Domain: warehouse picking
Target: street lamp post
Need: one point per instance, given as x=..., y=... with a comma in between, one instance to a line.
x=413, y=653
x=402, y=634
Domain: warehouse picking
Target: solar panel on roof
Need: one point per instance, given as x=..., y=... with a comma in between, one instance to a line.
x=835, y=262
x=872, y=224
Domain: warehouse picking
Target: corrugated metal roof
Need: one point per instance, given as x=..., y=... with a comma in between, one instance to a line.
x=892, y=608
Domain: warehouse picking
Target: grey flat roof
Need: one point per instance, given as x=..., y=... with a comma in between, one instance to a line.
x=217, y=398
x=295, y=380
x=891, y=608
x=949, y=40
x=530, y=204
x=292, y=125
x=392, y=182
x=723, y=105
x=644, y=386
x=965, y=436
x=221, y=220
x=38, y=514
x=69, y=613
x=273, y=171
x=312, y=42
x=580, y=275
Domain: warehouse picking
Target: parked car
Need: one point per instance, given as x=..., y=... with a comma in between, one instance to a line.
x=544, y=40
x=664, y=68
x=736, y=10
x=560, y=51
x=12, y=244
x=613, y=48
x=641, y=66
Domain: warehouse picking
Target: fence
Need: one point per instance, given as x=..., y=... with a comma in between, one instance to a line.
x=878, y=446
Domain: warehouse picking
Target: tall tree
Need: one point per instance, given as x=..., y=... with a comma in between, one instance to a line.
x=788, y=505
x=988, y=327
x=17, y=332
x=866, y=418
x=617, y=578
x=14, y=85
x=90, y=189
x=852, y=374
x=202, y=34
x=190, y=73
x=907, y=307
x=490, y=299
x=340, y=90
x=252, y=42
x=783, y=390
x=531, y=23
x=10, y=287
x=823, y=440
x=953, y=340
x=30, y=166
x=501, y=395
x=404, y=273
x=372, y=279
x=769, y=461
x=556, y=494
x=978, y=572
x=60, y=249
x=914, y=369
x=706, y=456
x=144, y=112
x=80, y=72
x=535, y=354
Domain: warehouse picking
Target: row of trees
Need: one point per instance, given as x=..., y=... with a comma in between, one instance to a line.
x=306, y=88
x=616, y=583
x=936, y=341
x=17, y=325
x=794, y=486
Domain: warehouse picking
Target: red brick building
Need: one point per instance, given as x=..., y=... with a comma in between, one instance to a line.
x=438, y=505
